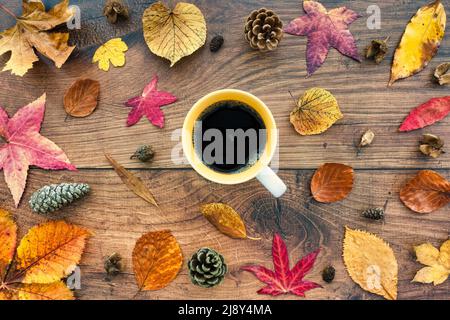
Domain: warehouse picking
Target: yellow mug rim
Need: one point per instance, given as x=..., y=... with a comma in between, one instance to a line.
x=223, y=95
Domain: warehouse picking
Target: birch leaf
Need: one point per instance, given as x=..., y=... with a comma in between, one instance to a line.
x=82, y=97
x=371, y=263
x=174, y=34
x=316, y=111
x=420, y=42
x=134, y=183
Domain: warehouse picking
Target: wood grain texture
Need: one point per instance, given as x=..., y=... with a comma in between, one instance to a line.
x=361, y=89
x=118, y=218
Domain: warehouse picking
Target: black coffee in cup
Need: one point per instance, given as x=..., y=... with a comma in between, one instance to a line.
x=229, y=136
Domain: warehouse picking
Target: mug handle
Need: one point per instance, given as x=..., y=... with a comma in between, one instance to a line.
x=272, y=182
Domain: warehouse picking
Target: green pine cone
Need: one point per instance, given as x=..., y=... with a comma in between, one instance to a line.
x=55, y=196
x=207, y=268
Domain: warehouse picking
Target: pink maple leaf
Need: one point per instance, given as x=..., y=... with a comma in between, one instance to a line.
x=149, y=104
x=24, y=147
x=284, y=280
x=325, y=29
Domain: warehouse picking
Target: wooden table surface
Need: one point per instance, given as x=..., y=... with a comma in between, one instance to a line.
x=118, y=217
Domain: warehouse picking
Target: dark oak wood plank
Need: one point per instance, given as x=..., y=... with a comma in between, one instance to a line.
x=360, y=89
x=118, y=218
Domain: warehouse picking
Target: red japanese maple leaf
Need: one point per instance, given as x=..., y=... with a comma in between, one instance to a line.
x=24, y=146
x=149, y=104
x=325, y=29
x=284, y=280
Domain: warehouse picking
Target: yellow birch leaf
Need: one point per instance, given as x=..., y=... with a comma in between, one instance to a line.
x=113, y=52
x=157, y=259
x=174, y=34
x=420, y=42
x=371, y=263
x=30, y=32
x=437, y=263
x=315, y=112
x=50, y=251
x=225, y=219
x=8, y=238
x=52, y=291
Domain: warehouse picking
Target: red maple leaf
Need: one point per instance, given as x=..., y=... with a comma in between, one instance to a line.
x=24, y=146
x=284, y=280
x=325, y=29
x=427, y=114
x=149, y=104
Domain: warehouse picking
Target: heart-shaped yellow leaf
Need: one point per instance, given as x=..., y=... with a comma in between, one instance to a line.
x=174, y=34
x=315, y=112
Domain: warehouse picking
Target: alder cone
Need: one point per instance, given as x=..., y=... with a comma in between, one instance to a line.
x=332, y=182
x=426, y=193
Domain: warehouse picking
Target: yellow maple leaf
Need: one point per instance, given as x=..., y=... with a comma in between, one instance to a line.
x=437, y=263
x=371, y=263
x=112, y=51
x=420, y=42
x=316, y=111
x=174, y=34
x=29, y=32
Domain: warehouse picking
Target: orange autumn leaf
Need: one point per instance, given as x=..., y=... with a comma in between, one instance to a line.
x=427, y=192
x=8, y=238
x=38, y=291
x=332, y=182
x=157, y=259
x=50, y=251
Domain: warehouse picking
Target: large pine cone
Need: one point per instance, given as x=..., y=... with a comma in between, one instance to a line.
x=53, y=197
x=207, y=268
x=263, y=29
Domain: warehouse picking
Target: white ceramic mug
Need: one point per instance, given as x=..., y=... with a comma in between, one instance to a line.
x=259, y=169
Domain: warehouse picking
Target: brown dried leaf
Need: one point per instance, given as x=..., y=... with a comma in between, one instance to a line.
x=426, y=193
x=441, y=73
x=371, y=263
x=432, y=146
x=134, y=183
x=225, y=219
x=377, y=50
x=157, y=259
x=367, y=139
x=332, y=182
x=82, y=97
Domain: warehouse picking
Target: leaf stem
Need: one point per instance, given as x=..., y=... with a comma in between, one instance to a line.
x=9, y=12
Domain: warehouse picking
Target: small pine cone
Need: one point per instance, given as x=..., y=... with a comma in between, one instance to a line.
x=374, y=214
x=53, y=197
x=263, y=30
x=207, y=268
x=328, y=274
x=114, y=9
x=144, y=153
